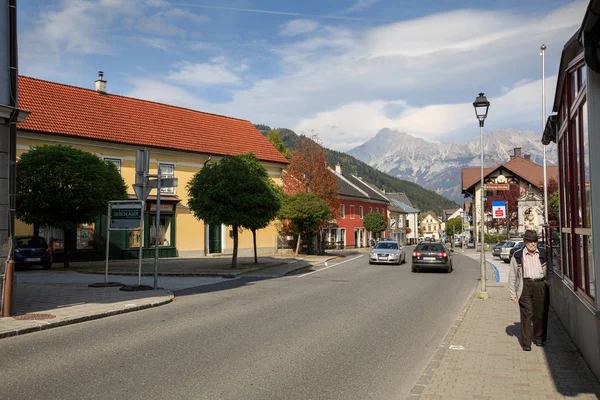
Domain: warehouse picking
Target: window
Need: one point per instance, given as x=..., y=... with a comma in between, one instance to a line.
x=343, y=211
x=85, y=236
x=352, y=215
x=360, y=210
x=167, y=171
x=370, y=209
x=164, y=230
x=114, y=161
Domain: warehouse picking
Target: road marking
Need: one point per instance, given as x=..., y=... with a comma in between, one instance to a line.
x=330, y=266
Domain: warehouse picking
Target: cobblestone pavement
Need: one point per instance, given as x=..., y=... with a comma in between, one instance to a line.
x=481, y=358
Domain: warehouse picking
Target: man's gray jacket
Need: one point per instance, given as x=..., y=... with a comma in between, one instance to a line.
x=515, y=273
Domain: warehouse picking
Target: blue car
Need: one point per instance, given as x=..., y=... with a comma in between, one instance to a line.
x=32, y=250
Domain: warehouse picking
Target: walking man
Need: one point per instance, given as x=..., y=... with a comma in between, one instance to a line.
x=527, y=286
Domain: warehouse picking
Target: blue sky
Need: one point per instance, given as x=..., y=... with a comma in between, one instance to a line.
x=342, y=69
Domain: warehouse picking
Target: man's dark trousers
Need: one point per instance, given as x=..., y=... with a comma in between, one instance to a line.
x=533, y=305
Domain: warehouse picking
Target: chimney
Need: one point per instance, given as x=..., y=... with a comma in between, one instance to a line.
x=101, y=83
x=517, y=152
x=527, y=157
x=338, y=168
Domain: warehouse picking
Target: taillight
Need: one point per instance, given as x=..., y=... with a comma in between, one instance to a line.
x=416, y=254
x=443, y=255
x=48, y=250
x=17, y=251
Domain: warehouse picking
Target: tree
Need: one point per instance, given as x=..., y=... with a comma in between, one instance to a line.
x=511, y=197
x=374, y=222
x=454, y=226
x=305, y=212
x=553, y=204
x=233, y=192
x=275, y=139
x=63, y=187
x=265, y=198
x=308, y=172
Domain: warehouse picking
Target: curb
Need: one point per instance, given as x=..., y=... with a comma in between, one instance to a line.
x=434, y=363
x=85, y=318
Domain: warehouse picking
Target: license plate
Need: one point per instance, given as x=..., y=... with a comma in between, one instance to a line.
x=383, y=257
x=36, y=259
x=429, y=258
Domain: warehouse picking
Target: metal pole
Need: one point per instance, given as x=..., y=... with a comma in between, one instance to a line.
x=481, y=121
x=141, y=240
x=543, y=127
x=107, y=243
x=157, y=237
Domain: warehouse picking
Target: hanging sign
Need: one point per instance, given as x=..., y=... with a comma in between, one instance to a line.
x=498, y=209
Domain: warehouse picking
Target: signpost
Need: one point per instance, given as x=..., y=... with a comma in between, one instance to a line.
x=498, y=209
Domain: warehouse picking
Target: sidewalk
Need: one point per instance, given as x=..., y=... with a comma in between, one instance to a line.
x=48, y=299
x=481, y=358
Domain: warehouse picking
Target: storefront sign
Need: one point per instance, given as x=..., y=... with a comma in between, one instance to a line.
x=125, y=216
x=163, y=207
x=498, y=209
x=497, y=186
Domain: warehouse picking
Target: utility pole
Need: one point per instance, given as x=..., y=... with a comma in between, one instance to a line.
x=543, y=54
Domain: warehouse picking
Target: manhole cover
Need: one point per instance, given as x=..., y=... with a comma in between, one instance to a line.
x=34, y=316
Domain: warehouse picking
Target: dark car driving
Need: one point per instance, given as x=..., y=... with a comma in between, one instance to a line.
x=32, y=250
x=496, y=251
x=431, y=255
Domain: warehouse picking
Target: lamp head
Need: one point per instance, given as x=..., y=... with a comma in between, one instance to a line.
x=481, y=106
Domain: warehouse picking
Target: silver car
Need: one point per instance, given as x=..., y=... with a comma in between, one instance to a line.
x=388, y=252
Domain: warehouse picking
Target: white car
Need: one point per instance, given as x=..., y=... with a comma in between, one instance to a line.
x=505, y=250
x=388, y=252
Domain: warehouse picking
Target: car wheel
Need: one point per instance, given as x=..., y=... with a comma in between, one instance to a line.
x=506, y=261
x=47, y=265
x=413, y=269
x=370, y=262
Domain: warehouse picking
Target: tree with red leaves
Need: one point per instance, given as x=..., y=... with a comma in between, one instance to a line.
x=308, y=172
x=511, y=198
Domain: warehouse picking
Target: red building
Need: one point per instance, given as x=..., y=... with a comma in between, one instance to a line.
x=357, y=199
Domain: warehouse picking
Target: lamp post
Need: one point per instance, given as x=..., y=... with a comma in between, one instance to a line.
x=543, y=54
x=481, y=106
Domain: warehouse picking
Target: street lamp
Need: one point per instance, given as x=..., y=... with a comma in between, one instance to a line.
x=481, y=106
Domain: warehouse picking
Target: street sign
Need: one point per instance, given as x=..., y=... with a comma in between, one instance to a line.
x=497, y=186
x=164, y=183
x=498, y=209
x=142, y=166
x=125, y=216
x=141, y=192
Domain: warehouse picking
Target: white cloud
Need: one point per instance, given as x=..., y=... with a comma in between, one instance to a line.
x=203, y=74
x=360, y=5
x=155, y=90
x=161, y=44
x=183, y=14
x=298, y=27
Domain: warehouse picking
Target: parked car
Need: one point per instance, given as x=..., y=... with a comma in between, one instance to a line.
x=32, y=250
x=431, y=255
x=458, y=241
x=387, y=252
x=505, y=250
x=497, y=247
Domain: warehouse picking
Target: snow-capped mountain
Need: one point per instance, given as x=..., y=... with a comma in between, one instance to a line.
x=437, y=166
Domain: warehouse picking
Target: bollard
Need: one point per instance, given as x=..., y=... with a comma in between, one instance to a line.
x=7, y=308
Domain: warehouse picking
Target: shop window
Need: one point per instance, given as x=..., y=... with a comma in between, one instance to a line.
x=115, y=161
x=133, y=238
x=167, y=171
x=165, y=236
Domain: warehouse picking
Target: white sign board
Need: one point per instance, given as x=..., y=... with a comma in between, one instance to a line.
x=498, y=209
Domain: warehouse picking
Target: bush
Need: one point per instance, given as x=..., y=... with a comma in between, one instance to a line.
x=493, y=238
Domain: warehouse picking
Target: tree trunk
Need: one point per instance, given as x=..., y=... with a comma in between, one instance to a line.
x=298, y=244
x=235, y=247
x=254, y=241
x=66, y=247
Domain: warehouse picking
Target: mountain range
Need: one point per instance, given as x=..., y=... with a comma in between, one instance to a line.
x=421, y=198
x=437, y=166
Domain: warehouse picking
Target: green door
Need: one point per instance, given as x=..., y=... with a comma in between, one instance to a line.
x=214, y=238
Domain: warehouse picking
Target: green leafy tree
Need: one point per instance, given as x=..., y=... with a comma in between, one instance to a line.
x=275, y=139
x=63, y=187
x=234, y=192
x=374, y=222
x=306, y=212
x=454, y=226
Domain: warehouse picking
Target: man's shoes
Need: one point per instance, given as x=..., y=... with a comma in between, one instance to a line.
x=538, y=343
x=527, y=348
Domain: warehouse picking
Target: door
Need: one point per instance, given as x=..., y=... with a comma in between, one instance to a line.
x=214, y=239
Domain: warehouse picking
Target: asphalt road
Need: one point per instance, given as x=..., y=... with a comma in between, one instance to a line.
x=348, y=331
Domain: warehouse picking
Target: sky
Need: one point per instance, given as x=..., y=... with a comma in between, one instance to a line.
x=340, y=69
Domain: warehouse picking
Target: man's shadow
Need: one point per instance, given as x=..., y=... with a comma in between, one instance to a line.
x=514, y=330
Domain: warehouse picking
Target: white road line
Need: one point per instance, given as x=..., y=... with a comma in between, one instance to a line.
x=334, y=265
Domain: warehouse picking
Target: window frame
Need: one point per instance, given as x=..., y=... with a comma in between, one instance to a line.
x=170, y=190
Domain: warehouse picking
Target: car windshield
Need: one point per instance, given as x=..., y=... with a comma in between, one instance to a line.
x=519, y=245
x=509, y=244
x=31, y=242
x=430, y=247
x=387, y=245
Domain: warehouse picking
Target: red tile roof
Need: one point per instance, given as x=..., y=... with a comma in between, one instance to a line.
x=76, y=112
x=525, y=169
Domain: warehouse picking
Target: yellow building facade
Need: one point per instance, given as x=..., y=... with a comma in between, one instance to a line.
x=181, y=234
